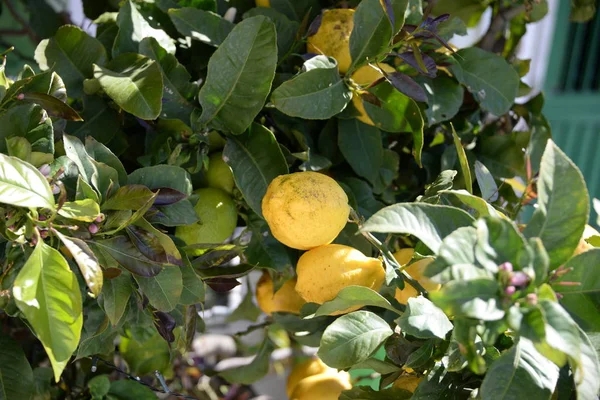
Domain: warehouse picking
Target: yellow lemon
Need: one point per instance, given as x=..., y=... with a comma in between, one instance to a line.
x=584, y=246
x=327, y=386
x=263, y=3
x=325, y=270
x=219, y=174
x=284, y=300
x=408, y=382
x=310, y=367
x=218, y=218
x=364, y=76
x=305, y=209
x=333, y=37
x=415, y=270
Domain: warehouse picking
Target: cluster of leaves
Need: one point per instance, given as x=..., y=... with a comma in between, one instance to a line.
x=100, y=153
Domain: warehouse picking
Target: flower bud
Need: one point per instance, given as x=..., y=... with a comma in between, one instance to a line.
x=510, y=290
x=93, y=228
x=519, y=279
x=532, y=299
x=506, y=266
x=45, y=169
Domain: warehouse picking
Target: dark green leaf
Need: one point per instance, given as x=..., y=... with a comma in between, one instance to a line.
x=134, y=82
x=368, y=393
x=47, y=293
x=130, y=197
x=520, y=371
x=486, y=182
x=256, y=159
x=492, y=81
x=256, y=369
x=563, y=206
x=100, y=121
x=128, y=256
x=163, y=290
x=161, y=176
x=352, y=296
x=477, y=298
x=239, y=76
x=193, y=287
x=99, y=386
x=53, y=106
x=31, y=122
x=316, y=93
x=133, y=28
x=464, y=163
x=16, y=376
x=22, y=185
x=286, y=29
x=444, y=98
x=115, y=296
x=352, y=338
x=362, y=148
x=205, y=26
x=422, y=319
x=125, y=390
x=180, y=213
x=102, y=154
x=430, y=223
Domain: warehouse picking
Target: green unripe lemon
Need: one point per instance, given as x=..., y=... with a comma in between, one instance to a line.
x=218, y=219
x=219, y=174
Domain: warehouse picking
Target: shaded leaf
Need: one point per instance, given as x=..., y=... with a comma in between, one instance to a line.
x=16, y=376
x=115, y=296
x=53, y=106
x=362, y=147
x=163, y=290
x=128, y=256
x=254, y=370
x=407, y=85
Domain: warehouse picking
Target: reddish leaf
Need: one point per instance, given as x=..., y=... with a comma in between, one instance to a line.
x=406, y=85
x=222, y=285
x=168, y=196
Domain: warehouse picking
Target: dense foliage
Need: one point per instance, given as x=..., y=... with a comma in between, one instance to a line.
x=104, y=143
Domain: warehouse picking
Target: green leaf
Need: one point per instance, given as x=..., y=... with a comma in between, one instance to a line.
x=205, y=26
x=134, y=82
x=397, y=113
x=464, y=163
x=352, y=296
x=520, y=371
x=163, y=290
x=99, y=386
x=475, y=205
x=489, y=77
x=31, y=122
x=352, y=338
x=125, y=390
x=180, y=213
x=422, y=355
x=97, y=339
x=498, y=241
x=100, y=121
x=80, y=210
x=563, y=206
x=128, y=256
x=177, y=88
x=583, y=299
x=372, y=31
x=16, y=376
x=71, y=53
x=376, y=365
x=476, y=298
x=102, y=154
x=86, y=260
x=422, y=319
x=239, y=76
x=428, y=222
x=317, y=92
x=587, y=376
x=562, y=340
x=19, y=147
x=486, y=182
x=255, y=159
x=47, y=293
x=162, y=176
x=246, y=310
x=264, y=250
x=53, y=106
x=129, y=197
x=256, y=369
x=133, y=28
x=444, y=98
x=115, y=296
x=22, y=185
x=286, y=28
x=193, y=287
x=362, y=148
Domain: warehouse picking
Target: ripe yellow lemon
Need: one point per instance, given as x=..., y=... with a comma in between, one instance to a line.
x=584, y=246
x=364, y=76
x=218, y=218
x=305, y=209
x=263, y=3
x=219, y=174
x=309, y=367
x=416, y=271
x=325, y=270
x=408, y=382
x=327, y=386
x=284, y=300
x=333, y=37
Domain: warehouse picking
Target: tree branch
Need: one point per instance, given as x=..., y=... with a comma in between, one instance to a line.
x=27, y=29
x=497, y=25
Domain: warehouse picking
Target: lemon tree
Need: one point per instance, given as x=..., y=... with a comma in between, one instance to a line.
x=416, y=231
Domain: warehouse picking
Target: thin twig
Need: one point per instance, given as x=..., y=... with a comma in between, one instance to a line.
x=497, y=25
x=21, y=21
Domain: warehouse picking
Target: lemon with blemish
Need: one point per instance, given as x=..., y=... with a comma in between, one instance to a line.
x=333, y=37
x=408, y=382
x=305, y=209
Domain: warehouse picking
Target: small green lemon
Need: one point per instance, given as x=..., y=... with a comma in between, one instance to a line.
x=218, y=218
x=219, y=174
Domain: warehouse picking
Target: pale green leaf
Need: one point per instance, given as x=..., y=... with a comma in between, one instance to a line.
x=22, y=185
